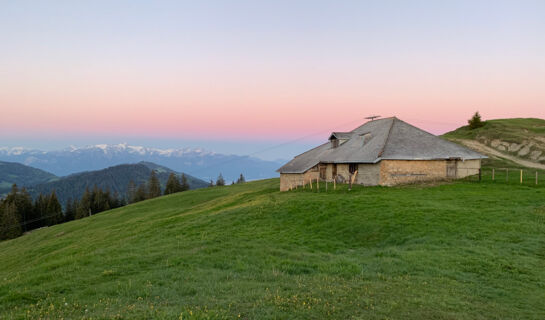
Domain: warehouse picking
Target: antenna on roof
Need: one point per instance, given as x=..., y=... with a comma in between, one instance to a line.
x=372, y=117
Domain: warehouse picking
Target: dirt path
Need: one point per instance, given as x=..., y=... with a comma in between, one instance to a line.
x=479, y=147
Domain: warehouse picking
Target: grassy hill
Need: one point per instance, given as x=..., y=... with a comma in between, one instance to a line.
x=115, y=178
x=453, y=251
x=518, y=142
x=11, y=172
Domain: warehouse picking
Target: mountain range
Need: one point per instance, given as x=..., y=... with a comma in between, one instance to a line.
x=116, y=179
x=195, y=161
x=12, y=172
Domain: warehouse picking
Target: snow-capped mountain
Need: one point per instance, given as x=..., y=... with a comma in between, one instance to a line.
x=195, y=161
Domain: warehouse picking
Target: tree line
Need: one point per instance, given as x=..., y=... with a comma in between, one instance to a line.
x=220, y=181
x=20, y=214
x=152, y=188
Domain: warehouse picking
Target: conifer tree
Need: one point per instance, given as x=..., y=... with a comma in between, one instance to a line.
x=70, y=211
x=220, y=181
x=54, y=210
x=22, y=205
x=241, y=179
x=211, y=184
x=40, y=211
x=84, y=206
x=154, y=187
x=475, y=121
x=141, y=193
x=10, y=226
x=131, y=191
x=173, y=185
x=184, y=186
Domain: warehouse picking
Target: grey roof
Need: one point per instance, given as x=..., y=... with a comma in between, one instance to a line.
x=341, y=135
x=383, y=139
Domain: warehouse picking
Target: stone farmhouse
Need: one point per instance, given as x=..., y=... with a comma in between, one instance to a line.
x=381, y=152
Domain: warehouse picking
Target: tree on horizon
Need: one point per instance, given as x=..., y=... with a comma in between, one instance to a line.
x=475, y=121
x=220, y=181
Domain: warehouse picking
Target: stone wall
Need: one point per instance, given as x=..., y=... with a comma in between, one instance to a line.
x=293, y=180
x=368, y=174
x=394, y=172
x=386, y=172
x=467, y=168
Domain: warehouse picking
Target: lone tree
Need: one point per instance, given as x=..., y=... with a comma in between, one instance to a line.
x=220, y=181
x=475, y=121
x=241, y=179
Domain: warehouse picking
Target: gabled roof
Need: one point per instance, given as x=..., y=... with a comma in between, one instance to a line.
x=383, y=139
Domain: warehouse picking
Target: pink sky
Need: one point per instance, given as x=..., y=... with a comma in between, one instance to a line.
x=151, y=74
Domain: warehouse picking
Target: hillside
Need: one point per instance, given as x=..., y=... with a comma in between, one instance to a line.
x=453, y=251
x=116, y=179
x=516, y=141
x=24, y=176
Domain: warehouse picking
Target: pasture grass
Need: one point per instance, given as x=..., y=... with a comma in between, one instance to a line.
x=462, y=250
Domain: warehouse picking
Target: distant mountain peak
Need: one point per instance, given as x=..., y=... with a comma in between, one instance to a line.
x=140, y=150
x=195, y=161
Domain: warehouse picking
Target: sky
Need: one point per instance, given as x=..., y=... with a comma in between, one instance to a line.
x=246, y=76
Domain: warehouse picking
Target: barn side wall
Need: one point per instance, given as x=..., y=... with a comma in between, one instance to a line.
x=394, y=172
x=467, y=168
x=293, y=180
x=368, y=174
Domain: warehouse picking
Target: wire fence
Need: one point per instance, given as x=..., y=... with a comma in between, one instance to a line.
x=514, y=176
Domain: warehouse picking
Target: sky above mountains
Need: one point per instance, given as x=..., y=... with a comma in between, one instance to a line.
x=249, y=75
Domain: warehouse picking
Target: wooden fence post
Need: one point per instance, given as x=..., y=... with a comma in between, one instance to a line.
x=492, y=174
x=335, y=183
x=310, y=181
x=317, y=185
x=521, y=176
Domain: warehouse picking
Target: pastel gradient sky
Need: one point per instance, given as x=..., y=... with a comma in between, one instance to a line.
x=240, y=75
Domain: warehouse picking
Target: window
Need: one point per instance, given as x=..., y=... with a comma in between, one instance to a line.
x=353, y=167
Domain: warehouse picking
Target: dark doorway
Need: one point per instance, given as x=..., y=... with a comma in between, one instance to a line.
x=451, y=169
x=322, y=171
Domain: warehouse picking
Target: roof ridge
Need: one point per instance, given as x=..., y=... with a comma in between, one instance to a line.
x=387, y=137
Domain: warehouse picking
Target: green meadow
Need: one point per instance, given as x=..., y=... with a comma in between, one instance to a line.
x=462, y=250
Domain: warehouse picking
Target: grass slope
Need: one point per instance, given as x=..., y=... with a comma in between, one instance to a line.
x=454, y=251
x=510, y=130
x=521, y=138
